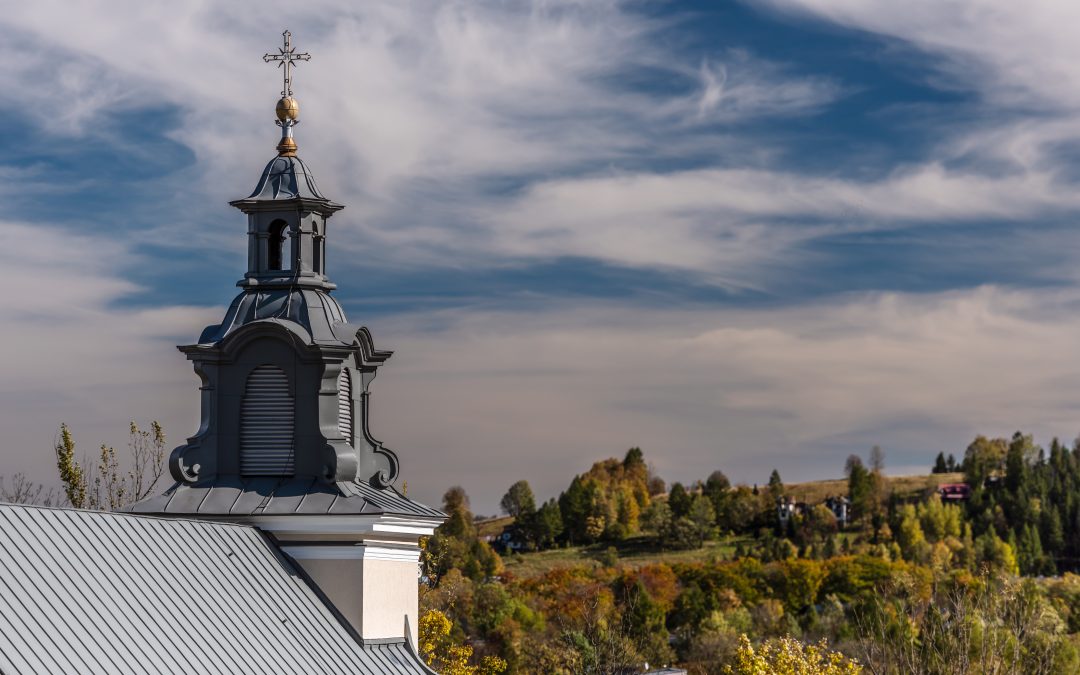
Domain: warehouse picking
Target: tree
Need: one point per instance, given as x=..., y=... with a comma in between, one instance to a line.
x=717, y=483
x=679, y=500
x=860, y=490
x=573, y=507
x=656, y=485
x=657, y=518
x=442, y=653
x=716, y=490
x=775, y=484
x=983, y=458
x=743, y=510
x=644, y=624
x=107, y=485
x=877, y=459
x=518, y=500
x=25, y=491
x=1016, y=462
x=455, y=544
x=788, y=656
x=634, y=461
x=940, y=465
x=71, y=473
x=545, y=525
x=995, y=624
x=703, y=517
x=851, y=463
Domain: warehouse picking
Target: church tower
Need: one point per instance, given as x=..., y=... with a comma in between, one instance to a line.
x=284, y=442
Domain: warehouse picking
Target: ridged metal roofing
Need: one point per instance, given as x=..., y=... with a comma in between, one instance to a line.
x=265, y=495
x=94, y=592
x=315, y=310
x=286, y=178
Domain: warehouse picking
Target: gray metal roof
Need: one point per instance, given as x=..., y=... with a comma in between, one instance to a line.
x=285, y=178
x=94, y=592
x=316, y=311
x=267, y=495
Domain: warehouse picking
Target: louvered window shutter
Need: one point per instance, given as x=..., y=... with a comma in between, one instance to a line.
x=266, y=424
x=345, y=405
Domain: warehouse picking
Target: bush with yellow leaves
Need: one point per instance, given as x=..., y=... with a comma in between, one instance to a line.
x=447, y=657
x=788, y=656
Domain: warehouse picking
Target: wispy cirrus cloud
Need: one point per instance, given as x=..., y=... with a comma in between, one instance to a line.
x=1014, y=54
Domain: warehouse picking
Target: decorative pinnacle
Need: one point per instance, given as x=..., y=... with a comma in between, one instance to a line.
x=288, y=108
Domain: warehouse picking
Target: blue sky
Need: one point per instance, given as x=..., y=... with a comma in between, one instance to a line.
x=740, y=235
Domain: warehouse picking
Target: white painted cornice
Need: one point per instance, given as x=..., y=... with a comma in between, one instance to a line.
x=354, y=552
x=344, y=527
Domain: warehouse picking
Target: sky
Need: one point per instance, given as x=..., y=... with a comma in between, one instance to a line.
x=740, y=235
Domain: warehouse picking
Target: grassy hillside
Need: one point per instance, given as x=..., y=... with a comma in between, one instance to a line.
x=816, y=491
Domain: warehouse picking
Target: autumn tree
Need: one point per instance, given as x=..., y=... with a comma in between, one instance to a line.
x=455, y=544
x=788, y=656
x=605, y=502
x=446, y=656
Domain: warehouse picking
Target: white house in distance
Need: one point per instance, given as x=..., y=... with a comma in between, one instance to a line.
x=283, y=545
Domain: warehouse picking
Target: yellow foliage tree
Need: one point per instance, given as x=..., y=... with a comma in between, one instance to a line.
x=788, y=656
x=447, y=657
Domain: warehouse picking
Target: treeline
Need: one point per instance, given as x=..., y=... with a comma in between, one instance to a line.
x=1023, y=504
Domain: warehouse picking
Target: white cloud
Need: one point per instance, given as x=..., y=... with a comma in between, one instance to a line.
x=542, y=394
x=1017, y=54
x=72, y=355
x=729, y=224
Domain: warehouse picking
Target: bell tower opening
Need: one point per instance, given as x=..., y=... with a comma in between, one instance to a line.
x=277, y=233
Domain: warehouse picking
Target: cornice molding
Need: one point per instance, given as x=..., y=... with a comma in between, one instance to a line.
x=409, y=554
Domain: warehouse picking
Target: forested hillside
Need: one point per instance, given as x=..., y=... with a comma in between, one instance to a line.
x=968, y=569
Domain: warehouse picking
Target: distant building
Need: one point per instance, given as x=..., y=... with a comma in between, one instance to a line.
x=954, y=492
x=841, y=508
x=510, y=540
x=787, y=508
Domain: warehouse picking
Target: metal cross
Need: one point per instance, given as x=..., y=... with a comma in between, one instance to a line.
x=285, y=57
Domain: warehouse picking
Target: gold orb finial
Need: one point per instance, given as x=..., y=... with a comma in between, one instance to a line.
x=288, y=108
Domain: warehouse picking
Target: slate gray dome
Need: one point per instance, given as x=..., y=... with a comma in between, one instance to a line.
x=314, y=310
x=286, y=178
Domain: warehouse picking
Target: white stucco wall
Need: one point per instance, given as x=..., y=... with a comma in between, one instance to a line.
x=374, y=587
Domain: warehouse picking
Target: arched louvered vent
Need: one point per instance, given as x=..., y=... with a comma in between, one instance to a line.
x=345, y=405
x=266, y=424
